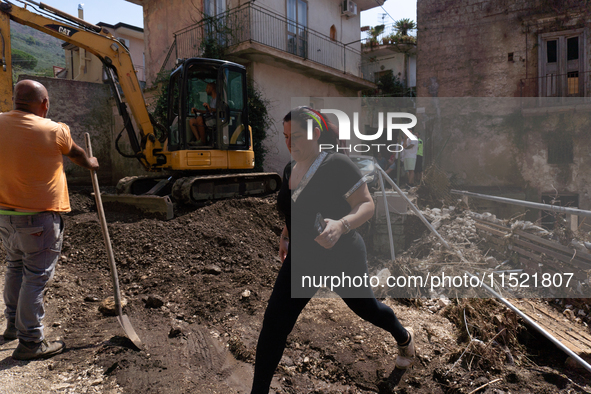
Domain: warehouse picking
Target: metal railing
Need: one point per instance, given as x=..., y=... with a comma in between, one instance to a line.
x=557, y=89
x=255, y=24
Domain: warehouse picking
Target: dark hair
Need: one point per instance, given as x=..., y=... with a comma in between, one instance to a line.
x=300, y=115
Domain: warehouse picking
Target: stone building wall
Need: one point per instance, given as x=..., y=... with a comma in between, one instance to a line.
x=86, y=108
x=494, y=49
x=483, y=48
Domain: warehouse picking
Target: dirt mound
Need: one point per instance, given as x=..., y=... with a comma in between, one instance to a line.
x=197, y=287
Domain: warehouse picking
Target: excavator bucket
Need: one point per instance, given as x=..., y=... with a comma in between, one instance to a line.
x=161, y=207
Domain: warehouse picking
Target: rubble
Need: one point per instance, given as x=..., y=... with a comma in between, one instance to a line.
x=107, y=306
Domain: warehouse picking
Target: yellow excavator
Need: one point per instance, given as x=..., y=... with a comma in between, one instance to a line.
x=203, y=152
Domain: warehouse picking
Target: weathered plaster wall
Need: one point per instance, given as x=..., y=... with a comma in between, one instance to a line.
x=280, y=86
x=161, y=20
x=462, y=48
x=475, y=138
x=570, y=178
x=80, y=69
x=85, y=107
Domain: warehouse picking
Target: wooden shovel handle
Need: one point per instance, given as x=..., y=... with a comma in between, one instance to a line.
x=105, y=230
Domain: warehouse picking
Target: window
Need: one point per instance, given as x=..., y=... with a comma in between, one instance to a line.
x=213, y=27
x=560, y=150
x=214, y=7
x=381, y=74
x=297, y=23
x=233, y=94
x=560, y=64
x=333, y=33
x=174, y=105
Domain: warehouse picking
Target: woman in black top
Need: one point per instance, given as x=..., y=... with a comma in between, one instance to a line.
x=330, y=184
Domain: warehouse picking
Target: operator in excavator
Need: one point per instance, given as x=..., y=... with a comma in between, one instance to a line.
x=33, y=195
x=199, y=123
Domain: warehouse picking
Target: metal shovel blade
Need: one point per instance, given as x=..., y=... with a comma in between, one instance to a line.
x=129, y=331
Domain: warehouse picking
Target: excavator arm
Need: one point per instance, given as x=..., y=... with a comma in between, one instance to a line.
x=114, y=55
x=208, y=170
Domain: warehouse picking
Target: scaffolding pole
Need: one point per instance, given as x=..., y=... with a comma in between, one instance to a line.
x=412, y=206
x=387, y=213
x=528, y=204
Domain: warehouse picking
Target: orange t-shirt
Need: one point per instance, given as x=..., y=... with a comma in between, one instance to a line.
x=31, y=163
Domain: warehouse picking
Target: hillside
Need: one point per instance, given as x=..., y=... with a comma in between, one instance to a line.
x=46, y=49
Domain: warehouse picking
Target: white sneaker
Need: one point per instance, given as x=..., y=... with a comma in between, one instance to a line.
x=406, y=354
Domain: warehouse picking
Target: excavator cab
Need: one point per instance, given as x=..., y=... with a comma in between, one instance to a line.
x=207, y=107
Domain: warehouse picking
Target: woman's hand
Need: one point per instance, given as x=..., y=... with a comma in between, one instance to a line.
x=331, y=234
x=362, y=208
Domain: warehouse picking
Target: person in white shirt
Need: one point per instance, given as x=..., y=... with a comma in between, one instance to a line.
x=409, y=155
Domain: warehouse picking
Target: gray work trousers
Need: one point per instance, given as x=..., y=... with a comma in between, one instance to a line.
x=33, y=244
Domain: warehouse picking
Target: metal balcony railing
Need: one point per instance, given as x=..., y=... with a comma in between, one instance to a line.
x=557, y=89
x=255, y=24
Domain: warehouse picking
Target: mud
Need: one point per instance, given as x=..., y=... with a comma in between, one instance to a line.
x=212, y=270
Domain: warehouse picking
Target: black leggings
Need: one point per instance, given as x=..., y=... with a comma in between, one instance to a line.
x=282, y=313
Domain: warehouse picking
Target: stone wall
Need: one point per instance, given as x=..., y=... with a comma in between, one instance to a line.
x=482, y=48
x=485, y=48
x=89, y=108
x=86, y=108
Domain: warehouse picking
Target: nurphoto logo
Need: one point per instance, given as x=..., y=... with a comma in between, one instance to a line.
x=345, y=131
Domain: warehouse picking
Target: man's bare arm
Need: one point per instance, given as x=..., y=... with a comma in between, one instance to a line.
x=79, y=157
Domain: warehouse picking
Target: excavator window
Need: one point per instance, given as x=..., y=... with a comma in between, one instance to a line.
x=234, y=97
x=174, y=104
x=201, y=102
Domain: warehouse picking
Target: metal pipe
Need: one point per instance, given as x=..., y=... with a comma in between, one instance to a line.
x=528, y=204
x=535, y=325
x=387, y=213
x=415, y=209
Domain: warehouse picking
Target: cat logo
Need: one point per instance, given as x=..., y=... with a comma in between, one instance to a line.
x=65, y=30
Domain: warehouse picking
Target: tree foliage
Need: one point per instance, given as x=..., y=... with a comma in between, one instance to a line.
x=260, y=121
x=402, y=26
x=23, y=60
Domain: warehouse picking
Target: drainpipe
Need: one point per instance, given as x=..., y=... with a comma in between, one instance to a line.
x=345, y=55
x=81, y=52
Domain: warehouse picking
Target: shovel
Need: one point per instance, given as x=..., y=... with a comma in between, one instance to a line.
x=123, y=319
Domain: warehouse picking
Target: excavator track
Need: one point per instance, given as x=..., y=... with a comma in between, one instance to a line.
x=155, y=194
x=193, y=190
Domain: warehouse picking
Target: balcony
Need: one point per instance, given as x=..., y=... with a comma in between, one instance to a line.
x=557, y=90
x=253, y=33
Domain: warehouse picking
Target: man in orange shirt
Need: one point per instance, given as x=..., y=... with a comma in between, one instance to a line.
x=33, y=194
